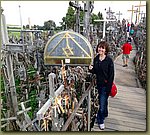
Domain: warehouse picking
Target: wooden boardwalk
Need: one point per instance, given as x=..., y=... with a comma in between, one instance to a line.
x=127, y=111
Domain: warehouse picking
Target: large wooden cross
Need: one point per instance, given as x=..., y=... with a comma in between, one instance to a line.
x=132, y=12
x=139, y=9
x=136, y=11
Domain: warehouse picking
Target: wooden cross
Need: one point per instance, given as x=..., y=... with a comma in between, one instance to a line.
x=136, y=15
x=132, y=13
x=27, y=118
x=139, y=9
x=119, y=15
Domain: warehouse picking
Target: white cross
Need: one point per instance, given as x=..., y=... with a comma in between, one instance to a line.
x=104, y=25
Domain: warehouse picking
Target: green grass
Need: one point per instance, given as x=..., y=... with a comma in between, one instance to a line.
x=15, y=34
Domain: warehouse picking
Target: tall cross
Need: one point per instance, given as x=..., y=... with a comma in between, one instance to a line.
x=136, y=11
x=132, y=13
x=9, y=64
x=119, y=15
x=109, y=12
x=139, y=9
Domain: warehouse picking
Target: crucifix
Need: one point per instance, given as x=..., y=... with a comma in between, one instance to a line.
x=139, y=9
x=119, y=14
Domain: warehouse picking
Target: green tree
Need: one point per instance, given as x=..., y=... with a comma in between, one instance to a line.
x=99, y=16
x=68, y=22
x=49, y=25
x=94, y=17
x=40, y=27
x=82, y=16
x=70, y=18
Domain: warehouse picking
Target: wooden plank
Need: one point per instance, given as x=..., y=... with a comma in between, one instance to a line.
x=128, y=115
x=127, y=111
x=118, y=97
x=131, y=108
x=129, y=105
x=128, y=102
x=122, y=128
x=126, y=123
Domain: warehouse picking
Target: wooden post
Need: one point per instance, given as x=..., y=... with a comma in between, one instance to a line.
x=9, y=66
x=89, y=109
x=51, y=77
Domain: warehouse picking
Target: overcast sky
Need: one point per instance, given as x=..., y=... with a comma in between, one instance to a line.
x=40, y=11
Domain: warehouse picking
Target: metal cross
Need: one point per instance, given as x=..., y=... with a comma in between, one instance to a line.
x=109, y=12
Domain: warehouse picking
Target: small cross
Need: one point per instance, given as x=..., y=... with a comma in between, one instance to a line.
x=119, y=15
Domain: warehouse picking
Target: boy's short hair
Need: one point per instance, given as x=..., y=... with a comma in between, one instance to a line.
x=129, y=39
x=103, y=44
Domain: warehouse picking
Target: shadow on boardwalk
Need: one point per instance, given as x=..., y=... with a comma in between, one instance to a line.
x=127, y=110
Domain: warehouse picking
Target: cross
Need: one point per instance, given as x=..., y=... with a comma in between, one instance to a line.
x=27, y=118
x=104, y=25
x=9, y=64
x=119, y=15
x=132, y=13
x=105, y=20
x=139, y=9
x=109, y=12
x=136, y=15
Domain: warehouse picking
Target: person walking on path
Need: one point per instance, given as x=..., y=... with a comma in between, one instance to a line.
x=127, y=47
x=103, y=67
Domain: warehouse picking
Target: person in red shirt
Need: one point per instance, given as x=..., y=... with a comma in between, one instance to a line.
x=127, y=47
